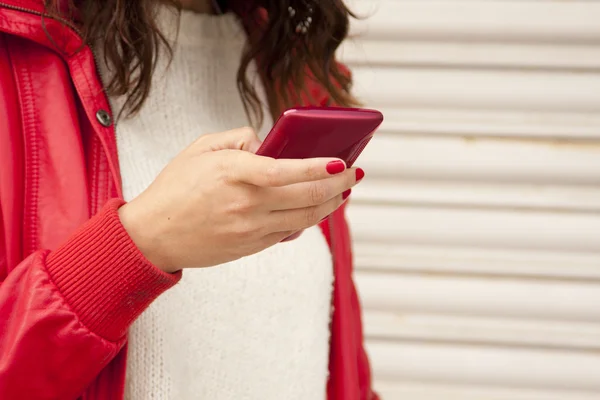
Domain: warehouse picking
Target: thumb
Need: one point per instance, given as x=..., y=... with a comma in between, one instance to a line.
x=235, y=139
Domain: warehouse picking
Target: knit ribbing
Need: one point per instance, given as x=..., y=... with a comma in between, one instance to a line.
x=104, y=277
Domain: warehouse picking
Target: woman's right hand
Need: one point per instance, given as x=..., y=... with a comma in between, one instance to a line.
x=217, y=201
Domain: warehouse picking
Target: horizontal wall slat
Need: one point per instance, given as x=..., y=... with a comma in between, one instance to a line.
x=481, y=195
x=403, y=390
x=526, y=20
x=396, y=326
x=478, y=89
x=499, y=229
x=480, y=296
x=545, y=370
x=494, y=123
x=541, y=264
x=452, y=54
x=485, y=159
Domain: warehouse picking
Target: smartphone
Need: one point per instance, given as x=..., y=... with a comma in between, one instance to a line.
x=321, y=132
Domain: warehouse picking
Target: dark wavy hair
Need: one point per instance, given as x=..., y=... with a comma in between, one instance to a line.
x=129, y=33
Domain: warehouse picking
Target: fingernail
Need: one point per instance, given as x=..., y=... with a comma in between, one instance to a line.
x=359, y=174
x=346, y=194
x=335, y=167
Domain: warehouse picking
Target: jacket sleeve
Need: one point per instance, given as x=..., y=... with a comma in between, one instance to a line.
x=64, y=313
x=363, y=365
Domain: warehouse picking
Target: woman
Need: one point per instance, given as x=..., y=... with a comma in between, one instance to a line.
x=81, y=268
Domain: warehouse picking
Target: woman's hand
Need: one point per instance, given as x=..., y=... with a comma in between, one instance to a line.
x=217, y=201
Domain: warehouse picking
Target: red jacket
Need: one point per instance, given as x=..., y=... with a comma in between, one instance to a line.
x=70, y=286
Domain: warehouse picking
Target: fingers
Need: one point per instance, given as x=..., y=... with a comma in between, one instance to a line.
x=307, y=194
x=269, y=172
x=235, y=139
x=302, y=218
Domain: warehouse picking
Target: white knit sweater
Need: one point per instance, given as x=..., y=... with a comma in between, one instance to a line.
x=256, y=328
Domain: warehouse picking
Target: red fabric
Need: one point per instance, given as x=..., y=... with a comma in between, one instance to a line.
x=104, y=277
x=71, y=279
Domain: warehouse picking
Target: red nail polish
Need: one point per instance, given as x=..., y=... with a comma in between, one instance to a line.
x=346, y=194
x=335, y=167
x=359, y=174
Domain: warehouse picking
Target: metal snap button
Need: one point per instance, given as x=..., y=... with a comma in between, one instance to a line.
x=104, y=118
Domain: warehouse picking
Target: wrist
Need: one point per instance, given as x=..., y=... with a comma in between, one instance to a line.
x=145, y=236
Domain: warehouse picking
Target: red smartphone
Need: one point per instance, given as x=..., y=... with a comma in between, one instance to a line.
x=321, y=132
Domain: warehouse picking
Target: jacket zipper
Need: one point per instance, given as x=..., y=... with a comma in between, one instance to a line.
x=69, y=25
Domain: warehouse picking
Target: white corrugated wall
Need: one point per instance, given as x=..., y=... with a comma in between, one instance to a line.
x=477, y=232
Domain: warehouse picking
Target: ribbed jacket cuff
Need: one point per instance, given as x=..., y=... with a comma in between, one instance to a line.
x=104, y=277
